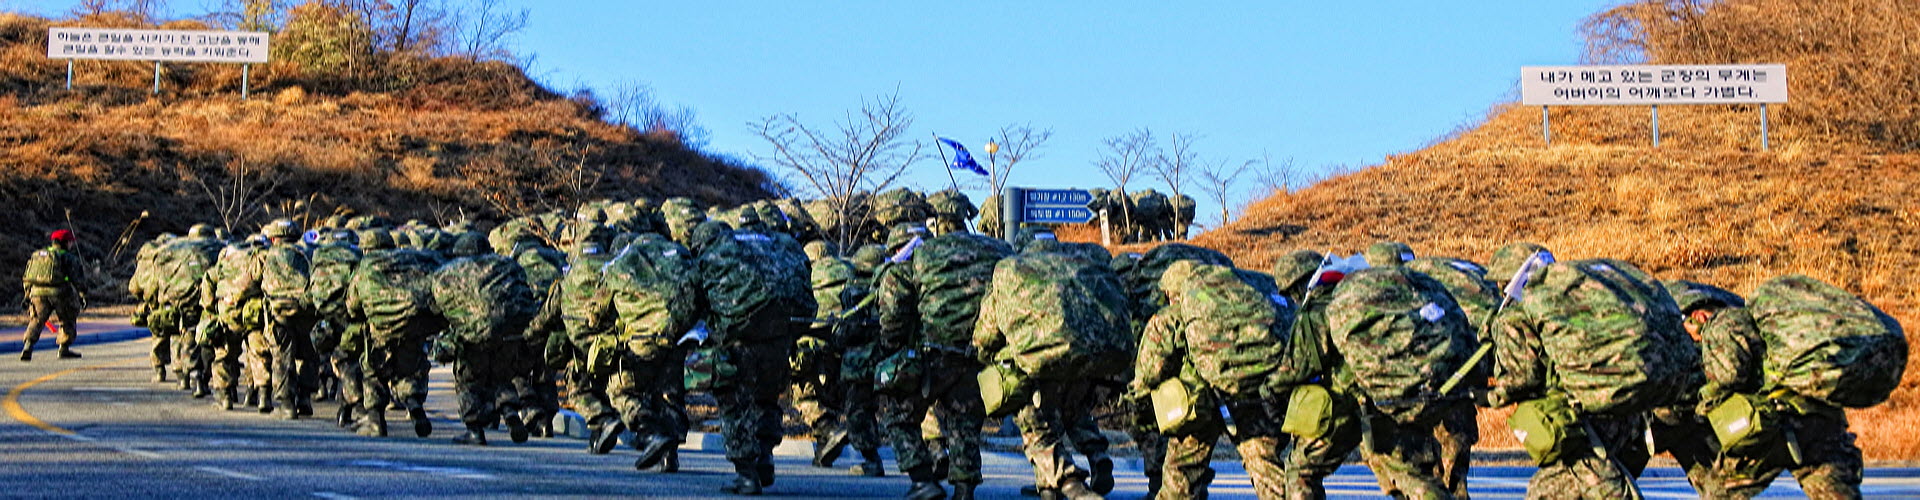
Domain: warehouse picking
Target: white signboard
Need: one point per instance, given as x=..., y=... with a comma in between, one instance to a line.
x=1653, y=85
x=157, y=45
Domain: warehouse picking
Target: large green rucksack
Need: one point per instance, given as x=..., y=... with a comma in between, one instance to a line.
x=1466, y=282
x=327, y=281
x=899, y=206
x=179, y=268
x=1401, y=335
x=1612, y=336
x=1143, y=282
x=1825, y=343
x=485, y=299
x=141, y=284
x=1059, y=317
x=392, y=290
x=652, y=282
x=753, y=276
x=1236, y=324
x=1151, y=207
x=586, y=305
x=955, y=272
x=43, y=269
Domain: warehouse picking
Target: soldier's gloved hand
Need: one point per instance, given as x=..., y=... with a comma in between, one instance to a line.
x=1484, y=397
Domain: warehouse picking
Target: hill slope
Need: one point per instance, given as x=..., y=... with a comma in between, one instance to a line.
x=437, y=139
x=1834, y=199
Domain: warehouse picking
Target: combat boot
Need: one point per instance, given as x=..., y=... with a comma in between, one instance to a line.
x=742, y=485
x=199, y=386
x=476, y=435
x=253, y=396
x=1073, y=490
x=962, y=491
x=671, y=463
x=66, y=353
x=926, y=491
x=421, y=426
x=373, y=424
x=764, y=471
x=345, y=416
x=26, y=354
x=516, y=429
x=828, y=451
x=653, y=450
x=225, y=400
x=605, y=436
x=1102, y=479
x=159, y=374
x=871, y=467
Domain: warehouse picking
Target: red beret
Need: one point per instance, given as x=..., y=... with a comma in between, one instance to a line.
x=62, y=236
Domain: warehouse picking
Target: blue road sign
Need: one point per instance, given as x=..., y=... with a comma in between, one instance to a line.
x=1058, y=215
x=1058, y=197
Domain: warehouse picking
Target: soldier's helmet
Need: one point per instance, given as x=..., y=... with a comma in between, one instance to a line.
x=870, y=257
x=281, y=228
x=336, y=222
x=1294, y=269
x=591, y=213
x=1692, y=296
x=1124, y=263
x=816, y=250
x=375, y=239
x=707, y=234
x=468, y=245
x=747, y=218
x=904, y=233
x=1388, y=254
x=1508, y=259
x=201, y=230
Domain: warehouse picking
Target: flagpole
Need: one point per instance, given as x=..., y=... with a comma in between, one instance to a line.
x=943, y=162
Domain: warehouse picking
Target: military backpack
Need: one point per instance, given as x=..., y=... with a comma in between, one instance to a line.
x=1401, y=335
x=393, y=290
x=1612, y=337
x=652, y=282
x=485, y=299
x=1827, y=344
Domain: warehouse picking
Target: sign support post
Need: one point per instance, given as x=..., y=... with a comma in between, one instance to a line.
x=1546, y=125
x=1013, y=209
x=1106, y=229
x=245, y=80
x=69, y=74
x=1763, y=126
x=156, y=78
x=1656, y=125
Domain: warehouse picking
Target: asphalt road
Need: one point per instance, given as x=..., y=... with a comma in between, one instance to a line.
x=96, y=427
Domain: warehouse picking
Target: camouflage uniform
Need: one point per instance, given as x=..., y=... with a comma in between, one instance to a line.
x=817, y=391
x=856, y=336
x=1524, y=373
x=936, y=324
x=486, y=303
x=754, y=284
x=165, y=336
x=1733, y=353
x=178, y=308
x=1184, y=210
x=951, y=211
x=1310, y=461
x=1388, y=253
x=535, y=381
x=339, y=337
x=56, y=295
x=991, y=217
x=227, y=321
x=396, y=339
x=1143, y=288
x=278, y=275
x=1201, y=337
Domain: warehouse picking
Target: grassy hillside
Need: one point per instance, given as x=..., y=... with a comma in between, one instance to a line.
x=436, y=139
x=1833, y=199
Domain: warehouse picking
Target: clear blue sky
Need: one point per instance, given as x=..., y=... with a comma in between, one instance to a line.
x=1324, y=83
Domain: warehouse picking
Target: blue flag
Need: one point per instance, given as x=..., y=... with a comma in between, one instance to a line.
x=962, y=160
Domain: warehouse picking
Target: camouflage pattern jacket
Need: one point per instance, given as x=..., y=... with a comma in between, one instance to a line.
x=932, y=298
x=1230, y=327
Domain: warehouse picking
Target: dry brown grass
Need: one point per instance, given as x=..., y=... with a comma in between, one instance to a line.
x=431, y=139
x=1833, y=199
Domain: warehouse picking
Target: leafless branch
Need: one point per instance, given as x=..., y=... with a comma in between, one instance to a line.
x=866, y=151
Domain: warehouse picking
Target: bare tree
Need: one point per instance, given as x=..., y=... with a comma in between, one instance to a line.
x=145, y=10
x=633, y=104
x=250, y=15
x=1217, y=180
x=1014, y=144
x=867, y=151
x=1276, y=178
x=236, y=199
x=1175, y=167
x=486, y=30
x=1122, y=157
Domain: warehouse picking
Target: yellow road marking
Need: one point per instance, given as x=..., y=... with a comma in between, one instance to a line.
x=12, y=403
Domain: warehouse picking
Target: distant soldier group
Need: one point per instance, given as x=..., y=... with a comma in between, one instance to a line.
x=884, y=317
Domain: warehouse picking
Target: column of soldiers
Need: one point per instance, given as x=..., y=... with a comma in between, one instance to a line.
x=874, y=322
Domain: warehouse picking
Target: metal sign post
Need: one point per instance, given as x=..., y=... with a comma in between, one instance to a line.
x=245, y=80
x=1012, y=207
x=1656, y=125
x=1763, y=126
x=69, y=74
x=1546, y=125
x=156, y=78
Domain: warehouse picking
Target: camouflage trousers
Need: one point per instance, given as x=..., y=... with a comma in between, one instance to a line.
x=295, y=365
x=1060, y=411
x=391, y=373
x=1426, y=459
x=64, y=307
x=750, y=413
x=817, y=396
x=483, y=382
x=1830, y=468
x=341, y=344
x=1581, y=474
x=165, y=337
x=1310, y=461
x=1684, y=434
x=1145, y=433
x=954, y=398
x=1256, y=435
x=225, y=349
x=535, y=385
x=859, y=405
x=637, y=391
